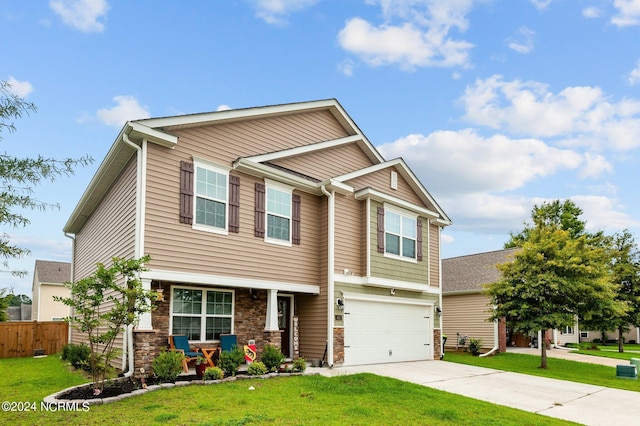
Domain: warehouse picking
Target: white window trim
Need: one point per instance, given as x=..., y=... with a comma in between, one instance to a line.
x=584, y=334
x=203, y=315
x=198, y=162
x=283, y=188
x=409, y=214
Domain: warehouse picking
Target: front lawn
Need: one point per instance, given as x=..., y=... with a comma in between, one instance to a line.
x=599, y=375
x=611, y=351
x=301, y=400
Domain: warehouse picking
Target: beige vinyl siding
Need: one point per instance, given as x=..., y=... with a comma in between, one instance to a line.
x=434, y=254
x=395, y=269
x=466, y=314
x=109, y=232
x=348, y=235
x=177, y=247
x=327, y=163
x=312, y=310
x=224, y=143
x=381, y=181
x=47, y=308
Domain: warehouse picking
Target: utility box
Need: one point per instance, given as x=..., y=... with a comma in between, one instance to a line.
x=636, y=362
x=626, y=371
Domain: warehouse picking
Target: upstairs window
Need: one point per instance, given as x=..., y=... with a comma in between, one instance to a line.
x=399, y=234
x=278, y=214
x=211, y=198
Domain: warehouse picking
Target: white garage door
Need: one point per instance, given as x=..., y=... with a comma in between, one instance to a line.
x=377, y=331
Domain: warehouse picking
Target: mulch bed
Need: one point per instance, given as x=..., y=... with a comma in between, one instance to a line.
x=118, y=387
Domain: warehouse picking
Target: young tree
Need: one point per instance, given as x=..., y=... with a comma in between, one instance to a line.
x=103, y=304
x=625, y=274
x=4, y=304
x=19, y=175
x=556, y=275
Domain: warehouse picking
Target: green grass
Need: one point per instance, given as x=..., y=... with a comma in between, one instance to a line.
x=611, y=351
x=299, y=400
x=599, y=375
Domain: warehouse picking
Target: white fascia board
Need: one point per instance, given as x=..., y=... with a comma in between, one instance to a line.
x=260, y=170
x=386, y=299
x=138, y=131
x=386, y=283
x=384, y=198
x=239, y=114
x=304, y=149
x=368, y=170
x=218, y=280
x=338, y=187
x=461, y=292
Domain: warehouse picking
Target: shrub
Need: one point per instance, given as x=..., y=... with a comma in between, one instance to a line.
x=213, y=373
x=77, y=355
x=299, y=365
x=168, y=365
x=231, y=360
x=272, y=358
x=474, y=346
x=257, y=368
x=588, y=346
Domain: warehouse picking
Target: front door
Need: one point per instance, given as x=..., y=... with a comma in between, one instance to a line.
x=284, y=323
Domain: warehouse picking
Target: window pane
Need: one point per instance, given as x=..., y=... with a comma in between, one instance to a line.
x=408, y=247
x=409, y=227
x=187, y=301
x=391, y=222
x=211, y=184
x=278, y=202
x=392, y=244
x=278, y=227
x=187, y=325
x=211, y=213
x=216, y=326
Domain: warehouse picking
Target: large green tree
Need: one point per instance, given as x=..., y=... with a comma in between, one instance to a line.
x=18, y=176
x=556, y=275
x=625, y=274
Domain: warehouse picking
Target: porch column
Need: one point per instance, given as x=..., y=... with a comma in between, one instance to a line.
x=271, y=323
x=144, y=322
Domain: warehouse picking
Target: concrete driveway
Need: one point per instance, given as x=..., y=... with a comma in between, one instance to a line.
x=586, y=404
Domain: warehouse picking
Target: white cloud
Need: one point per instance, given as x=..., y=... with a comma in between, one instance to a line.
x=19, y=88
x=523, y=41
x=493, y=164
x=595, y=165
x=127, y=108
x=223, y=107
x=420, y=38
x=591, y=12
x=541, y=4
x=84, y=15
x=603, y=213
x=577, y=116
x=275, y=11
x=628, y=13
x=634, y=75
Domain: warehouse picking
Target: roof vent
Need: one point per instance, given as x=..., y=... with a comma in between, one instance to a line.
x=394, y=179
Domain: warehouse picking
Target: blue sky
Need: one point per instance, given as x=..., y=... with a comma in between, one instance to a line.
x=496, y=105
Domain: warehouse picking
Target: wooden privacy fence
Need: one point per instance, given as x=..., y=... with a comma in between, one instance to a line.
x=22, y=339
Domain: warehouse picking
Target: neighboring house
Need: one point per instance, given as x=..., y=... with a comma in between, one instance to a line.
x=19, y=313
x=279, y=224
x=465, y=308
x=48, y=281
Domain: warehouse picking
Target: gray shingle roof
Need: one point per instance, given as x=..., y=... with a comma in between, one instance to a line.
x=52, y=272
x=469, y=273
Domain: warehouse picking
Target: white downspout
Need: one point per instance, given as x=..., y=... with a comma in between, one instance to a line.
x=496, y=341
x=330, y=273
x=73, y=263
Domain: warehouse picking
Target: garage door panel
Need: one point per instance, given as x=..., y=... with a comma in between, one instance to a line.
x=377, y=332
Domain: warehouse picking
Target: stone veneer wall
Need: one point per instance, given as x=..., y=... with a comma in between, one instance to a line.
x=437, y=343
x=249, y=319
x=338, y=345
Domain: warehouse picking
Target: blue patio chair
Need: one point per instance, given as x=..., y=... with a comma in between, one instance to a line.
x=228, y=341
x=180, y=343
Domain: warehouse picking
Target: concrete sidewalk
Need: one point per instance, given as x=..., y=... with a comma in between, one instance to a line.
x=567, y=354
x=586, y=404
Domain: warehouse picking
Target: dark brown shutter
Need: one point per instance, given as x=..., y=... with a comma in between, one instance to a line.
x=295, y=233
x=186, y=192
x=260, y=209
x=234, y=204
x=419, y=242
x=380, y=229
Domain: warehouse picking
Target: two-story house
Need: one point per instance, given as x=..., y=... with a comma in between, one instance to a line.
x=280, y=224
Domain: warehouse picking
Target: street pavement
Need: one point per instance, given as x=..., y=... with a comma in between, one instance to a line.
x=577, y=402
